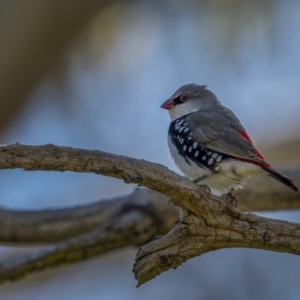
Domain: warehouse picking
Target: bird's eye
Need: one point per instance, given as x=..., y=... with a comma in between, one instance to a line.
x=183, y=98
x=180, y=99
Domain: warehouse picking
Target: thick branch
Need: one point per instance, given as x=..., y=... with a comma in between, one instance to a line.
x=53, y=225
x=212, y=224
x=195, y=236
x=56, y=158
x=133, y=227
x=131, y=220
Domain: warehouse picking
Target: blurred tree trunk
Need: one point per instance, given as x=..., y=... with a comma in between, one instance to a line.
x=35, y=36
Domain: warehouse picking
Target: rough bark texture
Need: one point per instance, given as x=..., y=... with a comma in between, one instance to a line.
x=197, y=235
x=84, y=231
x=55, y=225
x=134, y=227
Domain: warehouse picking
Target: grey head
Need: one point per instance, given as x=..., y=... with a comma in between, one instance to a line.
x=190, y=98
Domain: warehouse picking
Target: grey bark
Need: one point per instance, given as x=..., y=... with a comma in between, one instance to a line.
x=85, y=231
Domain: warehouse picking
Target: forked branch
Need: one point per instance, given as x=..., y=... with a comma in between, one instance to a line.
x=212, y=222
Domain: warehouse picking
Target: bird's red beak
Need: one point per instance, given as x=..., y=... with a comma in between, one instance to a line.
x=169, y=104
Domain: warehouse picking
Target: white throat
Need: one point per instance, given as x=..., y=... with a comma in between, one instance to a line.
x=182, y=110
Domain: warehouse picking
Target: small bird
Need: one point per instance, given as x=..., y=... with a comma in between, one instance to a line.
x=209, y=144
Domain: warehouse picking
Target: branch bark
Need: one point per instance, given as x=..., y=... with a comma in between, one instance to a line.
x=55, y=225
x=134, y=227
x=197, y=235
x=130, y=220
x=260, y=193
x=212, y=223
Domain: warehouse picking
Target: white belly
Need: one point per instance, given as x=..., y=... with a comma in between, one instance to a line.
x=230, y=176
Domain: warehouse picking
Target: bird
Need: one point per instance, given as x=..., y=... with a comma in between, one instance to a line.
x=210, y=145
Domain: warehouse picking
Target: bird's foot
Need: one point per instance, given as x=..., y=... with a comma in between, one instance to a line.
x=206, y=189
x=232, y=200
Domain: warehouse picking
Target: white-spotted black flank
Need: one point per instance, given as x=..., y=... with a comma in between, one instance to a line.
x=187, y=147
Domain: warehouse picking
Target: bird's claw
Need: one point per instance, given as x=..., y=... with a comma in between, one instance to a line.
x=233, y=200
x=205, y=188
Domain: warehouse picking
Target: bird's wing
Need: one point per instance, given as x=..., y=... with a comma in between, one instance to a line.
x=223, y=133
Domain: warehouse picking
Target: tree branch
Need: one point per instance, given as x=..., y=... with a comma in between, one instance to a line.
x=56, y=158
x=268, y=194
x=54, y=225
x=131, y=220
x=212, y=222
x=133, y=227
x=196, y=236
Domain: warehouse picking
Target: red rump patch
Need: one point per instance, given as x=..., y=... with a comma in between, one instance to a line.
x=245, y=135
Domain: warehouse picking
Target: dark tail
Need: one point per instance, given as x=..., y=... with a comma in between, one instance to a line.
x=280, y=177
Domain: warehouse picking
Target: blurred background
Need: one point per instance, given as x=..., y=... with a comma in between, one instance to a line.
x=92, y=74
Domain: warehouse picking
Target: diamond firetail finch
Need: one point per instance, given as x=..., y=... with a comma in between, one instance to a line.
x=209, y=144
